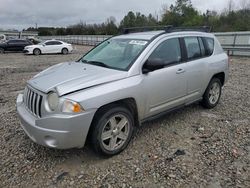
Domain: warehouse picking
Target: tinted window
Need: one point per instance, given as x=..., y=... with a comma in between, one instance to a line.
x=203, y=52
x=209, y=45
x=50, y=43
x=12, y=41
x=57, y=43
x=21, y=41
x=193, y=47
x=28, y=42
x=168, y=51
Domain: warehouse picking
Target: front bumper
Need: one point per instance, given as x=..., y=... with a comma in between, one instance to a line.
x=27, y=51
x=60, y=131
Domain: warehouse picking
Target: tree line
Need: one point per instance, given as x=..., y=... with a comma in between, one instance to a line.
x=182, y=13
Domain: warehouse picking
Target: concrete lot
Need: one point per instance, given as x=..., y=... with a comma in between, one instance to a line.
x=192, y=147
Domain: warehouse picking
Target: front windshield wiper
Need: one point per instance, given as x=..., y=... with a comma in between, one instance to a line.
x=98, y=63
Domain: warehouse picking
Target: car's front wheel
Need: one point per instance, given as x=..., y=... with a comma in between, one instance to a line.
x=112, y=131
x=65, y=51
x=212, y=94
x=1, y=50
x=36, y=51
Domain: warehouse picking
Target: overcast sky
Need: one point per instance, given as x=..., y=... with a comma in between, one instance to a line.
x=21, y=14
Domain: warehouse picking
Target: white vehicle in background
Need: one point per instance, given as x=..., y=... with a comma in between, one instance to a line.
x=49, y=47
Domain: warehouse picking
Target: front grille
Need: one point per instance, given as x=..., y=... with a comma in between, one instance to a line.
x=33, y=101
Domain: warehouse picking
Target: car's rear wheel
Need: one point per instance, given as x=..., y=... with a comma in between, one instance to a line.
x=1, y=50
x=65, y=51
x=212, y=94
x=36, y=51
x=112, y=131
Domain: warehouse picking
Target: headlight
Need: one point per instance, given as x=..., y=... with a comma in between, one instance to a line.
x=53, y=101
x=71, y=107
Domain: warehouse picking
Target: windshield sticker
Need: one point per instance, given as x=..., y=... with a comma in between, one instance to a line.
x=138, y=42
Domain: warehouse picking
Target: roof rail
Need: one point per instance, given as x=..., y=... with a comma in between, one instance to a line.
x=168, y=29
x=195, y=28
x=145, y=28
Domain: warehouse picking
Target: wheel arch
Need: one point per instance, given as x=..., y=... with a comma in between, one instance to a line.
x=220, y=76
x=64, y=48
x=129, y=103
x=37, y=49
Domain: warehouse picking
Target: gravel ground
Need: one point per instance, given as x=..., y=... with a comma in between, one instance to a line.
x=191, y=147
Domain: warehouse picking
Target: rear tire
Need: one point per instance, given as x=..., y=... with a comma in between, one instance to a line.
x=212, y=94
x=112, y=130
x=36, y=51
x=65, y=51
x=1, y=50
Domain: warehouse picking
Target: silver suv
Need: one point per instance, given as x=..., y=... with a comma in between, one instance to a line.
x=124, y=81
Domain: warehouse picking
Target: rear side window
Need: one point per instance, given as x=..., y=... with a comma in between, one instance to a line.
x=203, y=50
x=57, y=43
x=193, y=47
x=209, y=45
x=168, y=51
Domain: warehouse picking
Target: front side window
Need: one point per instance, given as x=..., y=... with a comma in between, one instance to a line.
x=49, y=43
x=115, y=53
x=168, y=51
x=193, y=47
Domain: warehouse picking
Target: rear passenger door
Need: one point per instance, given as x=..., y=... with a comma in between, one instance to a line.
x=57, y=47
x=196, y=69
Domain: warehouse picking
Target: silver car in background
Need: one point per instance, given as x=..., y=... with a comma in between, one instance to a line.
x=124, y=81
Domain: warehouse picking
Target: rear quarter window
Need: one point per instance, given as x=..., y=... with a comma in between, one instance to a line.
x=209, y=45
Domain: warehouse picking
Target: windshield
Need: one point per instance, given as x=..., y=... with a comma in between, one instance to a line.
x=115, y=53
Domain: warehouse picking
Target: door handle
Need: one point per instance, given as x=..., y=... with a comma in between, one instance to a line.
x=179, y=71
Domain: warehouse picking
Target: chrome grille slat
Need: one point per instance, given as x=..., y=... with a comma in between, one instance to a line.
x=33, y=101
x=40, y=104
x=30, y=100
x=37, y=104
x=28, y=104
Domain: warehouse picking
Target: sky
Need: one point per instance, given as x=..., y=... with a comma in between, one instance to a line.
x=20, y=14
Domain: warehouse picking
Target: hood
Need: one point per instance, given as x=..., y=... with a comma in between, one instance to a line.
x=72, y=76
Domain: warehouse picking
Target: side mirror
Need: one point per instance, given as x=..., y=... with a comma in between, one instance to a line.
x=152, y=65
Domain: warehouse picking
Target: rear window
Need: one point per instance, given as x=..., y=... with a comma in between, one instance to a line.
x=209, y=45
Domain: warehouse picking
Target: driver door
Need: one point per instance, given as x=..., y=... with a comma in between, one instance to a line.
x=165, y=88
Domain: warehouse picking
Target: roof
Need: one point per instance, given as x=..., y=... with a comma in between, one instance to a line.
x=141, y=35
x=151, y=34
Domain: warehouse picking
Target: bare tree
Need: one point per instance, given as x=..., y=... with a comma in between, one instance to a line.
x=230, y=6
x=244, y=4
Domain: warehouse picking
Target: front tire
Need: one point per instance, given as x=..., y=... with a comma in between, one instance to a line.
x=112, y=130
x=1, y=50
x=212, y=94
x=36, y=51
x=65, y=51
